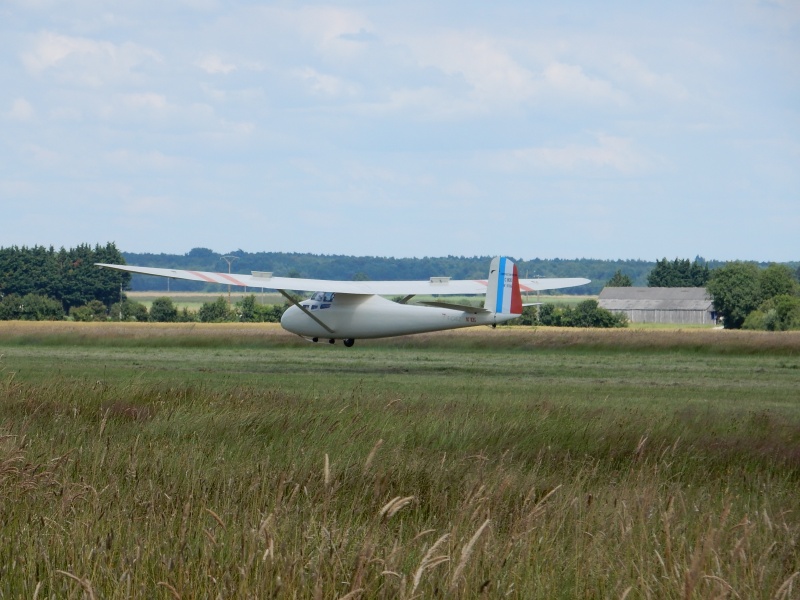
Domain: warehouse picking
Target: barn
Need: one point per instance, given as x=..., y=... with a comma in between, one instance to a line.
x=679, y=305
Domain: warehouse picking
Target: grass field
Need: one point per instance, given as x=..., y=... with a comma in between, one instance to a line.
x=185, y=461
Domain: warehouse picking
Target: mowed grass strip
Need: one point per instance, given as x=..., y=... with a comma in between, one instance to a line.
x=403, y=468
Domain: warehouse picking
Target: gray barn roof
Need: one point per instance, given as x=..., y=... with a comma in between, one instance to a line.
x=655, y=298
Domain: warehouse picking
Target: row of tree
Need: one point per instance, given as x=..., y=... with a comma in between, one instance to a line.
x=69, y=277
x=665, y=273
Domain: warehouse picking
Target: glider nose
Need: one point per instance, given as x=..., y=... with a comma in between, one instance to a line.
x=290, y=320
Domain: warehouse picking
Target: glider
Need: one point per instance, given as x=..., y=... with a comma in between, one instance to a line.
x=350, y=310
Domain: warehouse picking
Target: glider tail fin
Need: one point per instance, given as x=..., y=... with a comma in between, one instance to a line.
x=502, y=293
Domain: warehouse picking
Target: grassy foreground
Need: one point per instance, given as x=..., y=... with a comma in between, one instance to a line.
x=239, y=461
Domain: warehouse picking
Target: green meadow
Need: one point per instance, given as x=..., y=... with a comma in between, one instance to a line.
x=238, y=461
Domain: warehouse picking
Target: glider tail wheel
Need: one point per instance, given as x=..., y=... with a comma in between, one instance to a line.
x=348, y=342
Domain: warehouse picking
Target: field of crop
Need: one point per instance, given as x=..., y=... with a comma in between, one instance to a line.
x=186, y=461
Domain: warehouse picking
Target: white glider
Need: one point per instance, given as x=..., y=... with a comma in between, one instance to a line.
x=348, y=310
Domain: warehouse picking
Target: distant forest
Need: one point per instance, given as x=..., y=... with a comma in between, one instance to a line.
x=323, y=266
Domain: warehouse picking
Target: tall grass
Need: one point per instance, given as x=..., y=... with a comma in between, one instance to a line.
x=398, y=472
x=270, y=335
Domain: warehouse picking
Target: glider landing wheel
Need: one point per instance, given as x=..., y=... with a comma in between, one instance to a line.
x=348, y=342
x=331, y=341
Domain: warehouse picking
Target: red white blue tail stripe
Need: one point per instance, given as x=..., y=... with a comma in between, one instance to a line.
x=503, y=294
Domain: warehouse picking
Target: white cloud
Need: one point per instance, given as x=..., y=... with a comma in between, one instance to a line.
x=327, y=85
x=145, y=100
x=427, y=102
x=332, y=29
x=137, y=161
x=11, y=188
x=630, y=68
x=42, y=155
x=248, y=96
x=609, y=152
x=85, y=61
x=21, y=110
x=201, y=5
x=495, y=78
x=571, y=81
x=503, y=73
x=65, y=113
x=463, y=189
x=335, y=33
x=214, y=65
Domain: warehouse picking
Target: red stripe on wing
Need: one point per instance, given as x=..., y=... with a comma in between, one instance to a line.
x=203, y=276
x=231, y=279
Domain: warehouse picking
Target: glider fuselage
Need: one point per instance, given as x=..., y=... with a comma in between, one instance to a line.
x=366, y=316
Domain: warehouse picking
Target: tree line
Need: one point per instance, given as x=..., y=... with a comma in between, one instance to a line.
x=44, y=283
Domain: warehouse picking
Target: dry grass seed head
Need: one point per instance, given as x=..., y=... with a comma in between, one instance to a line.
x=85, y=583
x=216, y=517
x=371, y=456
x=393, y=506
x=171, y=589
x=429, y=562
x=465, y=554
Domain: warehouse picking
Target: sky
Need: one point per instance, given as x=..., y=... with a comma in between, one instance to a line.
x=609, y=130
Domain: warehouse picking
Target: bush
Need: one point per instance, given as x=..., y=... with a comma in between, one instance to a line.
x=30, y=307
x=781, y=313
x=586, y=314
x=755, y=321
x=91, y=311
x=551, y=314
x=128, y=310
x=249, y=311
x=216, y=312
x=163, y=310
x=187, y=316
x=529, y=316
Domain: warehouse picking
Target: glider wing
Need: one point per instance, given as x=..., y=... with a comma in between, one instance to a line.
x=436, y=285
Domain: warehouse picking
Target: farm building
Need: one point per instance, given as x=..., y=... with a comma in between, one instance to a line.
x=680, y=305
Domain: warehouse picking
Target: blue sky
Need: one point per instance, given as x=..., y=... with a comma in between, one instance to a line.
x=533, y=129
